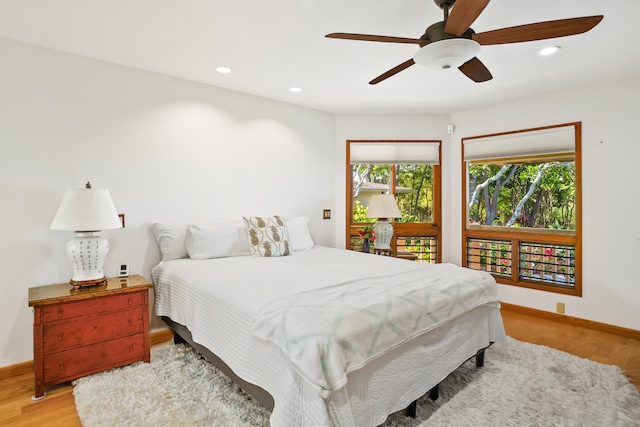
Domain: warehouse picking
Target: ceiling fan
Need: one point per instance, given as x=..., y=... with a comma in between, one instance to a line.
x=452, y=43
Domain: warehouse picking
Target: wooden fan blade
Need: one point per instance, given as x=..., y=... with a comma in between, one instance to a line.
x=475, y=70
x=374, y=38
x=393, y=71
x=538, y=31
x=463, y=14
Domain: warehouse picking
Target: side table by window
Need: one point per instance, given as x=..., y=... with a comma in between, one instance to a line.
x=400, y=254
x=407, y=255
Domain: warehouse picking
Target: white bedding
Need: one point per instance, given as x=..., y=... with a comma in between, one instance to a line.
x=218, y=301
x=334, y=330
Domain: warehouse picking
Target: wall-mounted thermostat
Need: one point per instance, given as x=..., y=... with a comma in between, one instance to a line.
x=124, y=270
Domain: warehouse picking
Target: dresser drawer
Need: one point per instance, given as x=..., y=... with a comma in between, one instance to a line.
x=81, y=331
x=92, y=306
x=83, y=361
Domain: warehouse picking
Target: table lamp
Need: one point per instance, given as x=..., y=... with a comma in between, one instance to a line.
x=87, y=211
x=383, y=207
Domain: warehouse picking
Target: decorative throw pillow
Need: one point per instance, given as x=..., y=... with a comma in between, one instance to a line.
x=267, y=236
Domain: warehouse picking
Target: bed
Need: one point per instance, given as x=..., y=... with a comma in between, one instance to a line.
x=325, y=336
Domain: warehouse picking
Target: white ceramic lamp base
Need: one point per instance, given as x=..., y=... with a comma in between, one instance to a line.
x=87, y=252
x=384, y=232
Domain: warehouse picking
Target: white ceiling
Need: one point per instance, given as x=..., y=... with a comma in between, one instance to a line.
x=274, y=45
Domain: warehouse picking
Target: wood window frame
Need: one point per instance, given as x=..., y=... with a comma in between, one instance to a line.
x=433, y=229
x=517, y=236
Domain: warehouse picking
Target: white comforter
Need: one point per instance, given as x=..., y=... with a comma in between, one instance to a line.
x=219, y=300
x=329, y=332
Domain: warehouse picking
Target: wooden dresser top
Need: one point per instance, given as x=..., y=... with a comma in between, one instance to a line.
x=63, y=292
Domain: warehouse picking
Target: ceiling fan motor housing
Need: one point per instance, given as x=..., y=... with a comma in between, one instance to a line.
x=435, y=33
x=444, y=51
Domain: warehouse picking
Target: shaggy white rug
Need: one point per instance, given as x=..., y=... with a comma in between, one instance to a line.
x=521, y=384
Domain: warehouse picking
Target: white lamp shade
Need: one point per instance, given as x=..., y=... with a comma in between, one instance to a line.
x=383, y=206
x=86, y=209
x=446, y=54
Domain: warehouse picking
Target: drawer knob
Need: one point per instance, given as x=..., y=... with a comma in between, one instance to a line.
x=129, y=301
x=59, y=313
x=60, y=337
x=61, y=364
x=130, y=322
x=131, y=349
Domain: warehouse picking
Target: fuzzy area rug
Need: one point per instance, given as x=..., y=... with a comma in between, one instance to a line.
x=521, y=384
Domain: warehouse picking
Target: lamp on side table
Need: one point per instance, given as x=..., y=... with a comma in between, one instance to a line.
x=87, y=211
x=383, y=207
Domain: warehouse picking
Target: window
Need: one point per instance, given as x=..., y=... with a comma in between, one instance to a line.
x=409, y=170
x=522, y=207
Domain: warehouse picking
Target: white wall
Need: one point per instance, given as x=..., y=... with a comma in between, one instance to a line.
x=611, y=230
x=165, y=148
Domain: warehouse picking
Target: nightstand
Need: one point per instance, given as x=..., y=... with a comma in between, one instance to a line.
x=88, y=330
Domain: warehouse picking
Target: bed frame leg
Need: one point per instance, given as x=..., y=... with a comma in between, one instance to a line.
x=434, y=393
x=411, y=409
x=480, y=359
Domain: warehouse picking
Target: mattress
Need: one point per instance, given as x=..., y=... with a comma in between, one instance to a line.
x=218, y=300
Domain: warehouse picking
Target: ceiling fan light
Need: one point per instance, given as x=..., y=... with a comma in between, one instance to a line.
x=549, y=50
x=446, y=54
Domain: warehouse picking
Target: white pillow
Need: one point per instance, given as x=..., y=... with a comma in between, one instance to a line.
x=299, y=234
x=217, y=238
x=170, y=238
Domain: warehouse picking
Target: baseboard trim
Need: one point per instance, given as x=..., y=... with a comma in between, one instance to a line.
x=156, y=337
x=15, y=370
x=576, y=321
x=160, y=336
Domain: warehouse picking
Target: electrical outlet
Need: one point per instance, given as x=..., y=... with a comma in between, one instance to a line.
x=560, y=307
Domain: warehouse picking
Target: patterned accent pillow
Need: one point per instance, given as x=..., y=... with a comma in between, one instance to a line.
x=267, y=236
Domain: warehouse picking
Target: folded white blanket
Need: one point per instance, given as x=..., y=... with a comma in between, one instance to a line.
x=332, y=331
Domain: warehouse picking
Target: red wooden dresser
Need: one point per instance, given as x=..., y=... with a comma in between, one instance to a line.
x=88, y=330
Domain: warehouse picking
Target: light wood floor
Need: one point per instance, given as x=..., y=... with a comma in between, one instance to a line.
x=58, y=408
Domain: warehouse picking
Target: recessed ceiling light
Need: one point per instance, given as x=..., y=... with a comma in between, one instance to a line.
x=223, y=70
x=549, y=50
x=295, y=89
